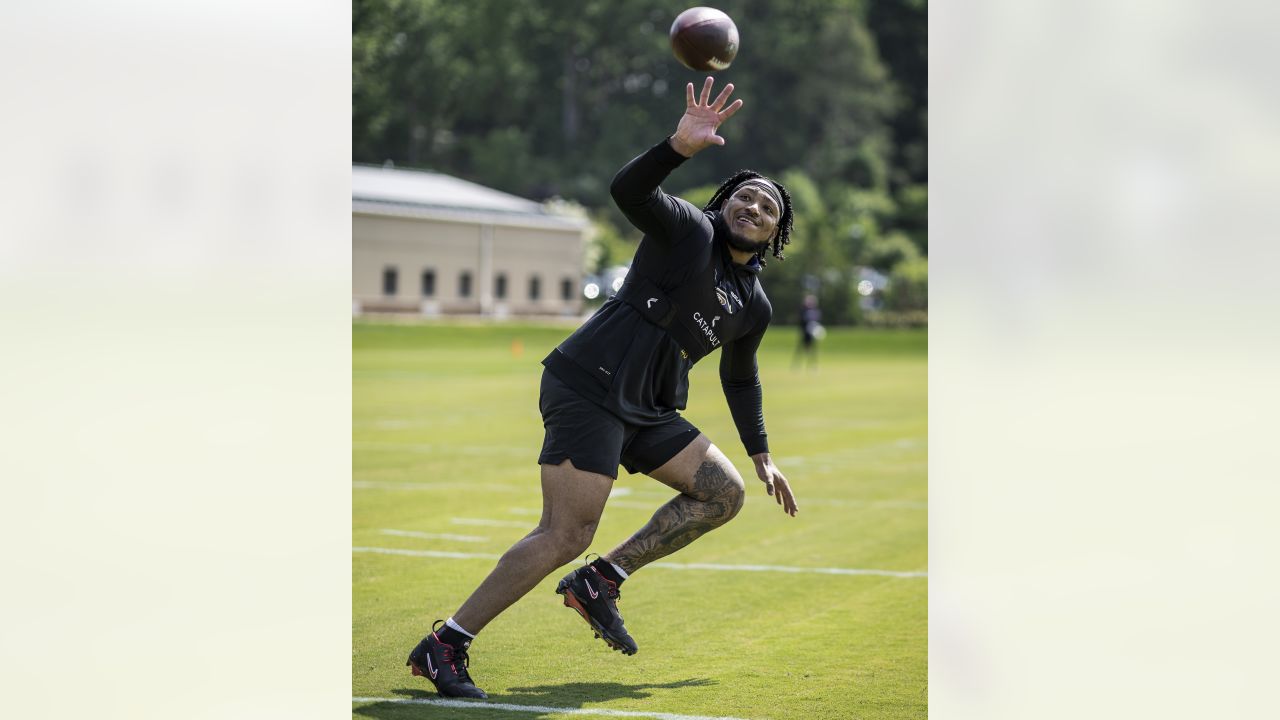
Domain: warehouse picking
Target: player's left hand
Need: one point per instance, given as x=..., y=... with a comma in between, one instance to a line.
x=775, y=483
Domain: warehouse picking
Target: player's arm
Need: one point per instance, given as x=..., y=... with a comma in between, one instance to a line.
x=636, y=189
x=653, y=212
x=740, y=379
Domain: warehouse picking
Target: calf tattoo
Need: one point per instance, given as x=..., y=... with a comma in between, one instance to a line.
x=713, y=501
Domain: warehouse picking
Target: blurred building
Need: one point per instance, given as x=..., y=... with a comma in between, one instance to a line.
x=423, y=242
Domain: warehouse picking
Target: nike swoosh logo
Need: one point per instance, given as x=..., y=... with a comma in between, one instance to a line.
x=651, y=302
x=591, y=590
x=430, y=669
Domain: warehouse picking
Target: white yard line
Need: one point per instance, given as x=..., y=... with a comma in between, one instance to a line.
x=427, y=553
x=434, y=536
x=620, y=493
x=671, y=566
x=491, y=523
x=539, y=708
x=788, y=569
x=667, y=494
x=836, y=502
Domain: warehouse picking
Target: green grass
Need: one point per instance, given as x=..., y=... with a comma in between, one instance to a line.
x=446, y=425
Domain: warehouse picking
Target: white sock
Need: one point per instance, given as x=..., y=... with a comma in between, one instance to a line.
x=621, y=573
x=458, y=627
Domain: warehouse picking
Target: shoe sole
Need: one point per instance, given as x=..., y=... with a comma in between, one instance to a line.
x=571, y=601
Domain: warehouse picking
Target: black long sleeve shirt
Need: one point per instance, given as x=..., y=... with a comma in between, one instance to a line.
x=632, y=366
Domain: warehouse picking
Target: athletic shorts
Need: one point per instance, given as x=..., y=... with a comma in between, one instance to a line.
x=596, y=440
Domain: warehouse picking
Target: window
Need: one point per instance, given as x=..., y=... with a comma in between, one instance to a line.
x=566, y=289
x=464, y=284
x=428, y=283
x=500, y=286
x=389, y=281
x=535, y=287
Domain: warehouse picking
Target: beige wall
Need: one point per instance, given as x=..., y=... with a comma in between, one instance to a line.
x=412, y=245
x=522, y=253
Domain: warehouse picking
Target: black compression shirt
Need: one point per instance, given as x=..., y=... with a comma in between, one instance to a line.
x=635, y=368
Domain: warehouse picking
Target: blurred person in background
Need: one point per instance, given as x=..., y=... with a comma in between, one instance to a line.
x=611, y=394
x=811, y=331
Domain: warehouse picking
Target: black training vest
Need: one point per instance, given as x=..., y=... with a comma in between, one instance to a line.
x=700, y=314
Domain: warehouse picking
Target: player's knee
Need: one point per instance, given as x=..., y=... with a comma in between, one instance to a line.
x=720, y=487
x=715, y=480
x=573, y=539
x=734, y=495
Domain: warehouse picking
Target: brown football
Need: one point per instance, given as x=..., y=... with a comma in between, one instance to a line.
x=704, y=38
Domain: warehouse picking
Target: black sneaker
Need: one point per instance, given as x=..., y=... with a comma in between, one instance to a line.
x=593, y=596
x=445, y=666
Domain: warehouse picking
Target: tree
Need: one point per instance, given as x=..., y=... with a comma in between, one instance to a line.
x=901, y=29
x=548, y=99
x=887, y=252
x=908, y=288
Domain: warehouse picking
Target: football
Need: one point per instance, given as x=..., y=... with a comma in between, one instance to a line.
x=704, y=39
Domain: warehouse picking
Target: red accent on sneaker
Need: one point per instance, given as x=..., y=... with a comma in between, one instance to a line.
x=571, y=600
x=613, y=586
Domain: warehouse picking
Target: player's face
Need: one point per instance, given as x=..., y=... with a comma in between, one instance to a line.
x=752, y=217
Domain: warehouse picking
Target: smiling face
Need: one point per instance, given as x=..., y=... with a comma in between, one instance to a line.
x=751, y=212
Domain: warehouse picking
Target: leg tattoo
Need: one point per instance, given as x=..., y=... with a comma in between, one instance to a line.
x=715, y=498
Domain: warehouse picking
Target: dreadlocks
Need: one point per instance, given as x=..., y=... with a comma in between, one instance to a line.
x=783, y=235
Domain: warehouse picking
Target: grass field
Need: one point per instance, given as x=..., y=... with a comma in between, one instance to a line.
x=446, y=435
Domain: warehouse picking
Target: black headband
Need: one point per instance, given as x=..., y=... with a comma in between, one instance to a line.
x=768, y=187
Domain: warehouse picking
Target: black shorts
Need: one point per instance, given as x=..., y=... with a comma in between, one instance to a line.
x=596, y=440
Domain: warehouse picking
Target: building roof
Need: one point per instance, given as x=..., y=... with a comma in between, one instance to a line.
x=420, y=193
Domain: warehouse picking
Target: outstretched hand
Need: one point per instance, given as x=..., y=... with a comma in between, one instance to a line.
x=697, y=128
x=775, y=483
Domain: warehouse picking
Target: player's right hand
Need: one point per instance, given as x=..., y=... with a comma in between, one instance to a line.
x=702, y=117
